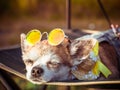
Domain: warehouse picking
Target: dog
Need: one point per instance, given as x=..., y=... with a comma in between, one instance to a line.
x=45, y=62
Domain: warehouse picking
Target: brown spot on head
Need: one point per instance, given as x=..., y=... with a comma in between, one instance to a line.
x=63, y=52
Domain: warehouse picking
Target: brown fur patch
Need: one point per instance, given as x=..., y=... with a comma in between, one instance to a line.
x=62, y=51
x=84, y=48
x=87, y=65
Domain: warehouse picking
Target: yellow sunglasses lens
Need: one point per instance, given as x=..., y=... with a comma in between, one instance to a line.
x=56, y=36
x=33, y=36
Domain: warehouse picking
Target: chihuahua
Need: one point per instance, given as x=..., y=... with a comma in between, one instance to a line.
x=45, y=62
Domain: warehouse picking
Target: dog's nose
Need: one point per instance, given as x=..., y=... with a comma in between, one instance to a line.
x=36, y=71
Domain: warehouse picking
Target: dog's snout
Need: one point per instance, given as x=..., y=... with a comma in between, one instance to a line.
x=36, y=71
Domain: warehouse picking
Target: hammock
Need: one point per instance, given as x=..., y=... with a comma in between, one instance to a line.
x=11, y=61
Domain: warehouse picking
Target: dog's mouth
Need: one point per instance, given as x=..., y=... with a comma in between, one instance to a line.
x=37, y=80
x=40, y=80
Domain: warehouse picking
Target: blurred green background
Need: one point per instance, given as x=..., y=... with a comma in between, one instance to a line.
x=20, y=16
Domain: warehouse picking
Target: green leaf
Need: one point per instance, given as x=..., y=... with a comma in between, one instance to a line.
x=103, y=69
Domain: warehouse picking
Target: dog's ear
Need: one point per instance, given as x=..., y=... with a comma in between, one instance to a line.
x=24, y=45
x=32, y=38
x=22, y=39
x=80, y=49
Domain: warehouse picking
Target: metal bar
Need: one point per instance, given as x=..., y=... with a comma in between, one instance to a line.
x=104, y=12
x=8, y=69
x=68, y=14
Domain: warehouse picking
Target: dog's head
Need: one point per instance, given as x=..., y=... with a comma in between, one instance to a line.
x=45, y=62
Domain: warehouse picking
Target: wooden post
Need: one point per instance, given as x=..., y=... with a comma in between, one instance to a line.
x=68, y=14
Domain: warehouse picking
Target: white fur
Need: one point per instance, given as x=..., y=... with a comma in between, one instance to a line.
x=48, y=74
x=33, y=54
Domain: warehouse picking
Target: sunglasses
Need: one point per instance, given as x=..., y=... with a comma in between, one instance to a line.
x=55, y=37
